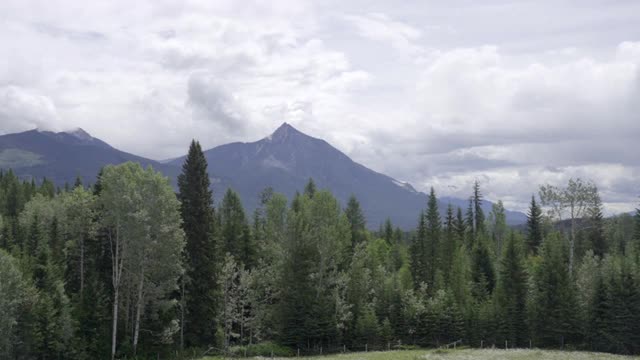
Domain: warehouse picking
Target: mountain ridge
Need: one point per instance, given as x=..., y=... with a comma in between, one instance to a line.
x=284, y=160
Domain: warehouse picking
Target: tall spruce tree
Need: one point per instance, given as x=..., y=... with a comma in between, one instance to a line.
x=419, y=266
x=478, y=213
x=553, y=304
x=460, y=226
x=234, y=230
x=636, y=235
x=511, y=294
x=202, y=258
x=534, y=226
x=596, y=230
x=434, y=229
x=449, y=243
x=356, y=220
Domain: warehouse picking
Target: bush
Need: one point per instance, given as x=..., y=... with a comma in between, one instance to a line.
x=261, y=349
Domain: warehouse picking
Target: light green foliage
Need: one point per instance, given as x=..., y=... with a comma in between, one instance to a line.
x=14, y=295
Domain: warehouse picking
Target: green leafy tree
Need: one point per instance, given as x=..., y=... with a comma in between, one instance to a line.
x=141, y=213
x=572, y=202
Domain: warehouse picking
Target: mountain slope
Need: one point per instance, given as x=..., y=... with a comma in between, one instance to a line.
x=62, y=156
x=287, y=159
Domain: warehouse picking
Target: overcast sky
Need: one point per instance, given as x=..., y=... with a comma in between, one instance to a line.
x=512, y=93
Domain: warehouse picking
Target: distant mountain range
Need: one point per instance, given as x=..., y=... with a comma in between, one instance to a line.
x=285, y=161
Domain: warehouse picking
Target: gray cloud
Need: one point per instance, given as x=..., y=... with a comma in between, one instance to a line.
x=437, y=93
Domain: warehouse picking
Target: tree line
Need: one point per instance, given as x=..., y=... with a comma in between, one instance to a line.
x=128, y=268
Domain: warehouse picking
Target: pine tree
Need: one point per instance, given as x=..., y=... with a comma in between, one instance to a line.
x=554, y=316
x=477, y=209
x=201, y=250
x=356, y=221
x=387, y=232
x=310, y=189
x=534, y=226
x=470, y=223
x=449, y=243
x=433, y=238
x=637, y=231
x=419, y=266
x=482, y=269
x=596, y=229
x=460, y=226
x=511, y=294
x=234, y=229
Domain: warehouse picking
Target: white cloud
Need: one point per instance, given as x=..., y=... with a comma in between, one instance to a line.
x=424, y=91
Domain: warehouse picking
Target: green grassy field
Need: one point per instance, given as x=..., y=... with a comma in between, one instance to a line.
x=470, y=354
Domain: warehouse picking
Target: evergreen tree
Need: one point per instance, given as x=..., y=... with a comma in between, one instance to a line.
x=201, y=249
x=498, y=223
x=596, y=230
x=433, y=223
x=478, y=213
x=356, y=220
x=470, y=223
x=511, y=294
x=534, y=226
x=482, y=270
x=636, y=235
x=234, y=229
x=553, y=306
x=449, y=243
x=419, y=265
x=460, y=226
x=310, y=189
x=387, y=232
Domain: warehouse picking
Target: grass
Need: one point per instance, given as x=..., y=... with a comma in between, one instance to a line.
x=468, y=354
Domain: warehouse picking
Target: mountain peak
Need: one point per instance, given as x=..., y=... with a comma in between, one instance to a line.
x=80, y=134
x=284, y=132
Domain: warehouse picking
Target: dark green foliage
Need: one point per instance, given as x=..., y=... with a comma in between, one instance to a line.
x=596, y=234
x=534, y=226
x=308, y=276
x=511, y=295
x=636, y=236
x=234, y=230
x=418, y=253
x=310, y=189
x=433, y=233
x=553, y=309
x=356, y=220
x=483, y=273
x=202, y=255
x=478, y=213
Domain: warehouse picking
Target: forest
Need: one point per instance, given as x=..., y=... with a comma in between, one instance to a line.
x=129, y=268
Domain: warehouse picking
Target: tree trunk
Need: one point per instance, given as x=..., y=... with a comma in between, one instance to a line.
x=572, y=242
x=81, y=270
x=115, y=323
x=182, y=311
x=136, y=330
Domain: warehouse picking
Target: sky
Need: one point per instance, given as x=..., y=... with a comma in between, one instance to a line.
x=513, y=94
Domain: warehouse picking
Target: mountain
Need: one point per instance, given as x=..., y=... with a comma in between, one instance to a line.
x=62, y=156
x=287, y=159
